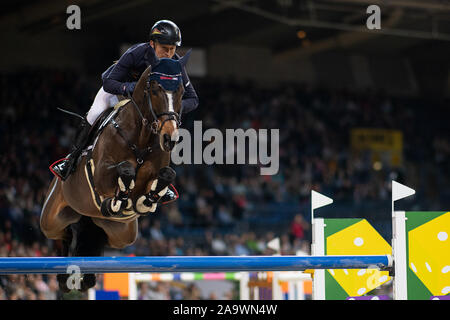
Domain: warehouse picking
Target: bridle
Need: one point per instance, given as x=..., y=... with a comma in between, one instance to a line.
x=156, y=126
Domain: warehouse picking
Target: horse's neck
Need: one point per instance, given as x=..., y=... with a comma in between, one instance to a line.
x=132, y=123
x=142, y=103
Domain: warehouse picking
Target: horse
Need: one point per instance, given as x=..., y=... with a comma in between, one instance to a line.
x=124, y=175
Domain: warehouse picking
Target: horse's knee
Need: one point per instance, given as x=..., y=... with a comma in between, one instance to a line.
x=49, y=234
x=48, y=231
x=127, y=175
x=53, y=223
x=53, y=234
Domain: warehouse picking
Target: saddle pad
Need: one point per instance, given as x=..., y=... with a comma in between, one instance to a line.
x=121, y=103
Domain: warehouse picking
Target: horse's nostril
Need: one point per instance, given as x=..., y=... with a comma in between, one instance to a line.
x=168, y=143
x=166, y=138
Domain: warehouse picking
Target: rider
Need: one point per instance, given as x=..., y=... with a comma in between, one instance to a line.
x=120, y=79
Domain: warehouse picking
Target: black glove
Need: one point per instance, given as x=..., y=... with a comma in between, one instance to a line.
x=128, y=88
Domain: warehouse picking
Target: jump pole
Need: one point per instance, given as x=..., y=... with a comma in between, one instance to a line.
x=52, y=265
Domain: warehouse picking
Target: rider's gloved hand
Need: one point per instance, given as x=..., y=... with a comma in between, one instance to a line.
x=128, y=88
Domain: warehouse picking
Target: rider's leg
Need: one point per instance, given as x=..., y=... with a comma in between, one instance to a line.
x=102, y=101
x=64, y=168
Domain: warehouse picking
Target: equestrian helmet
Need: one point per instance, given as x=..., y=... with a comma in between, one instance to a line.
x=166, y=32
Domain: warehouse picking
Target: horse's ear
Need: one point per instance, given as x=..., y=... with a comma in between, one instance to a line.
x=138, y=93
x=184, y=59
x=145, y=74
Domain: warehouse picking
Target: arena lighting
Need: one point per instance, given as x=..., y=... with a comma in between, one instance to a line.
x=301, y=34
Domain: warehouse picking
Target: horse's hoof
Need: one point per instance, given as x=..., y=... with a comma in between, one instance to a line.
x=62, y=282
x=89, y=281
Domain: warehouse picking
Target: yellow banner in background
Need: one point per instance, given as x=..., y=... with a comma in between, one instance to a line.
x=384, y=145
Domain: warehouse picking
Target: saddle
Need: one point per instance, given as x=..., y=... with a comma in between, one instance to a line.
x=100, y=124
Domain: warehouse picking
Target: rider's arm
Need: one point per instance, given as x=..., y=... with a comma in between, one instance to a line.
x=190, y=98
x=113, y=82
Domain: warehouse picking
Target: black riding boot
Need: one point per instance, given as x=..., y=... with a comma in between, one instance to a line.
x=65, y=167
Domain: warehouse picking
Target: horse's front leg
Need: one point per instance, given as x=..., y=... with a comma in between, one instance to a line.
x=126, y=182
x=158, y=189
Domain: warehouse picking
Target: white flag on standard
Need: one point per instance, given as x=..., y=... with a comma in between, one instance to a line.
x=400, y=191
x=319, y=200
x=274, y=244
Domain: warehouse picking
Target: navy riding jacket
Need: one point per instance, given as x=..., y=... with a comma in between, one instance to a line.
x=130, y=67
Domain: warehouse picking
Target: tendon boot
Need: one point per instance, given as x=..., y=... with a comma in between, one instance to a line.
x=66, y=166
x=166, y=175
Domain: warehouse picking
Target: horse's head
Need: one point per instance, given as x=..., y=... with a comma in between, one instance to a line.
x=164, y=91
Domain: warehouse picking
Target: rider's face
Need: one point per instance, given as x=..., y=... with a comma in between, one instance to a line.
x=163, y=50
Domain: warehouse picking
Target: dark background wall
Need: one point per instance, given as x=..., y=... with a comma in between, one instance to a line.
x=251, y=40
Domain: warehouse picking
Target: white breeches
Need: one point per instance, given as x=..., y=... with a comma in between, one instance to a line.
x=103, y=100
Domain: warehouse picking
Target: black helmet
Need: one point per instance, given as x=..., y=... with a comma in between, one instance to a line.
x=166, y=32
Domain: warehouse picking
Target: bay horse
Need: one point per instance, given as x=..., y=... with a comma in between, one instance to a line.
x=123, y=176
